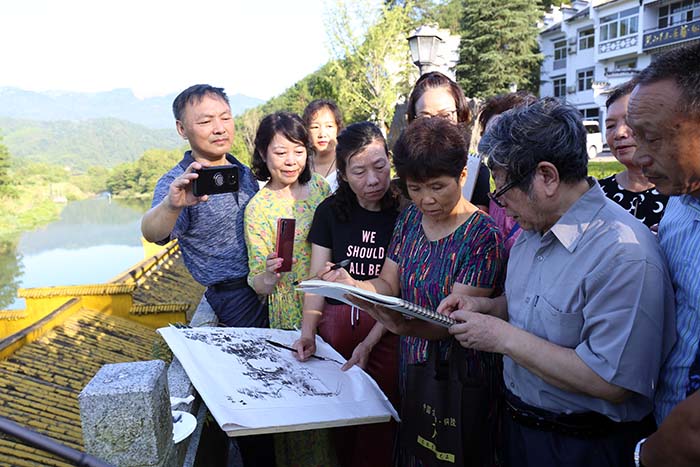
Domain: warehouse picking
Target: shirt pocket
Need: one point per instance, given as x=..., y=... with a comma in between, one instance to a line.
x=561, y=328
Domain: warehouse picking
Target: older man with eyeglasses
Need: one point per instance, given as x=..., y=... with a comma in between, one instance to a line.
x=587, y=316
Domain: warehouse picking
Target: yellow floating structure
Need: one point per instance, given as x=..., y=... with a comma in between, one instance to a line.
x=52, y=349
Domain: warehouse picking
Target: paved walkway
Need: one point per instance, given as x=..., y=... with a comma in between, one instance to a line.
x=604, y=156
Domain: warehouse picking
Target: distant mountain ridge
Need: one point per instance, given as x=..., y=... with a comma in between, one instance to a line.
x=105, y=142
x=84, y=129
x=152, y=112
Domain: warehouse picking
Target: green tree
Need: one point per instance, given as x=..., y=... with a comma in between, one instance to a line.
x=139, y=178
x=498, y=47
x=371, y=58
x=445, y=13
x=5, y=182
x=10, y=270
x=94, y=180
x=320, y=84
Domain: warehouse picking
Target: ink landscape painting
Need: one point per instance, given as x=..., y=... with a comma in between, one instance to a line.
x=248, y=380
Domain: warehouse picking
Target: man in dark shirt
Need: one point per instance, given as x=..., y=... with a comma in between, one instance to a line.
x=209, y=228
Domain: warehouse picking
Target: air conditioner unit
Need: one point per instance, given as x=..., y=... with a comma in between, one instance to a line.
x=572, y=50
x=570, y=89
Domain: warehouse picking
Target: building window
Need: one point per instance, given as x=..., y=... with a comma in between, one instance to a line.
x=629, y=64
x=559, y=55
x=559, y=86
x=585, y=79
x=624, y=23
x=586, y=38
x=592, y=113
x=679, y=13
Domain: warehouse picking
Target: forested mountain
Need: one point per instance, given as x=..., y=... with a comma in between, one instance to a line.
x=153, y=112
x=96, y=142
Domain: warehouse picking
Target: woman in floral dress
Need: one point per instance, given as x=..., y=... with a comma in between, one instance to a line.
x=281, y=158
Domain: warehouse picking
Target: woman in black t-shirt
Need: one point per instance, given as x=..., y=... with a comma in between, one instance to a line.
x=356, y=223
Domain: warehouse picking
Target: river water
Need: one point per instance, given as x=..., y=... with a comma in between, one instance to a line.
x=93, y=241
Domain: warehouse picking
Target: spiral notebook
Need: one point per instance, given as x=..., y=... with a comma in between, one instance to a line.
x=339, y=291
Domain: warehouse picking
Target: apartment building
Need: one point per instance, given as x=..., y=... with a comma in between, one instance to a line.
x=591, y=46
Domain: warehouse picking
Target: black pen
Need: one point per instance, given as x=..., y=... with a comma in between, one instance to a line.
x=292, y=349
x=338, y=265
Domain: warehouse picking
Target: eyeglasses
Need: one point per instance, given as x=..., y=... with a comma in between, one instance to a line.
x=447, y=115
x=494, y=195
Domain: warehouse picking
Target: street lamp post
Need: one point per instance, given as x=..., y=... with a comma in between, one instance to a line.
x=424, y=43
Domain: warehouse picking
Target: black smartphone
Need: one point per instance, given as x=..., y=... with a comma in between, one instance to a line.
x=215, y=180
x=284, y=246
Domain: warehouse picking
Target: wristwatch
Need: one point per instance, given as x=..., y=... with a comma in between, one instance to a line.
x=638, y=453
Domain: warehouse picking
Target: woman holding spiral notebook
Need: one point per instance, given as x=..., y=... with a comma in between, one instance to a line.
x=441, y=244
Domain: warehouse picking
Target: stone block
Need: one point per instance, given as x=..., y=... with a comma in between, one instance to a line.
x=204, y=315
x=125, y=414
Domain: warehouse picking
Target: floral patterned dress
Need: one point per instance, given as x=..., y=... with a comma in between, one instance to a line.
x=300, y=448
x=261, y=216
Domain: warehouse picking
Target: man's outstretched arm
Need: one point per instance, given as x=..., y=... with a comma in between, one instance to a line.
x=159, y=221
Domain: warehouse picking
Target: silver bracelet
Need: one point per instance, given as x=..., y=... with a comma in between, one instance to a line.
x=638, y=453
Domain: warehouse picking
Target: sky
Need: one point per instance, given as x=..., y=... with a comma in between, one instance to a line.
x=156, y=47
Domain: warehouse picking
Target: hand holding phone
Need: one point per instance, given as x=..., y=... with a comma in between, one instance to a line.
x=215, y=180
x=284, y=245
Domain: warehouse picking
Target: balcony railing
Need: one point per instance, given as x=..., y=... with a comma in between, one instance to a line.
x=671, y=35
x=617, y=44
x=559, y=64
x=621, y=73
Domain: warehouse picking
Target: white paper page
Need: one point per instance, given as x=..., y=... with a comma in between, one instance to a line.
x=473, y=166
x=247, y=382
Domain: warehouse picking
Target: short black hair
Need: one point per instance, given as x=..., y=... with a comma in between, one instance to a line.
x=289, y=125
x=195, y=94
x=681, y=65
x=430, y=148
x=620, y=91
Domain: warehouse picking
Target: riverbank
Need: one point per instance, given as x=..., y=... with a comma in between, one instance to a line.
x=91, y=241
x=35, y=205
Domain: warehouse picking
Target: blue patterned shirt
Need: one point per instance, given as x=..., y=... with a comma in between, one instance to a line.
x=679, y=235
x=211, y=233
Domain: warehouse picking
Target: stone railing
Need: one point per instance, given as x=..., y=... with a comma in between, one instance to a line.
x=126, y=414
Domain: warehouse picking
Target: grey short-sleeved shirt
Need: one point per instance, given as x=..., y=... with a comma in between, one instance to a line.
x=211, y=233
x=595, y=282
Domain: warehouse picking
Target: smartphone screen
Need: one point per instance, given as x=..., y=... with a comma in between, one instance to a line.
x=284, y=246
x=215, y=180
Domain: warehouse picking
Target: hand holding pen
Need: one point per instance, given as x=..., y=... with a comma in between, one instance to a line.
x=334, y=274
x=329, y=267
x=293, y=350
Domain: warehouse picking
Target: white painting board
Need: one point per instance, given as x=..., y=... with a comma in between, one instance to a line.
x=252, y=387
